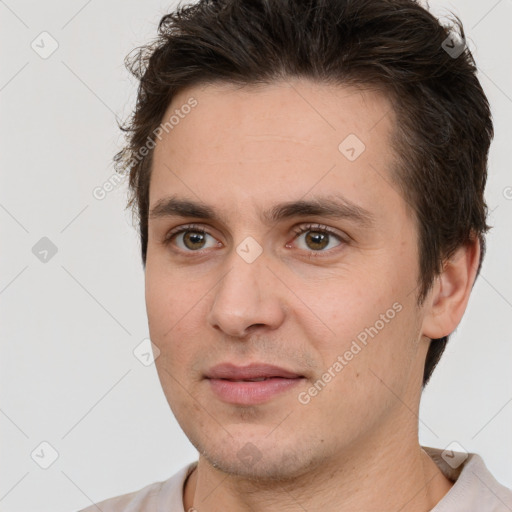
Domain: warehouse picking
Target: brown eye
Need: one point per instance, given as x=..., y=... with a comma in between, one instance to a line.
x=194, y=240
x=316, y=240
x=190, y=239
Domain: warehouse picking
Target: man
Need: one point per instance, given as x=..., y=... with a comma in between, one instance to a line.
x=309, y=180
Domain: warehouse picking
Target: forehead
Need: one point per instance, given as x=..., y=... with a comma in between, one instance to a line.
x=299, y=110
x=274, y=142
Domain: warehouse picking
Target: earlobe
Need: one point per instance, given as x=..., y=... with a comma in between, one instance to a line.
x=450, y=293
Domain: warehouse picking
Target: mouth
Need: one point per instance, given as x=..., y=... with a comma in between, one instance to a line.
x=260, y=379
x=252, y=384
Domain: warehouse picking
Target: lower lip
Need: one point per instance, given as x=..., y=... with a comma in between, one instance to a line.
x=250, y=393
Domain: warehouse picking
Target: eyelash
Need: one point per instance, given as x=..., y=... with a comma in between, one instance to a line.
x=299, y=230
x=183, y=229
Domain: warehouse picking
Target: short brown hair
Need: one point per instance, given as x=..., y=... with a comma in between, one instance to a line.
x=443, y=129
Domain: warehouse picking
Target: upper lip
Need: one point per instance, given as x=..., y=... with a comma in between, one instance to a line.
x=252, y=371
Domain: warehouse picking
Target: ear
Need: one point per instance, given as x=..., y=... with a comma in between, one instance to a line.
x=450, y=293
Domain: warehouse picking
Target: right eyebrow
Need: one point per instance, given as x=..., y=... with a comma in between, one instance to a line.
x=174, y=207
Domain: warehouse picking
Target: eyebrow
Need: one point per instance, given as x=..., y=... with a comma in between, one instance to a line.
x=335, y=207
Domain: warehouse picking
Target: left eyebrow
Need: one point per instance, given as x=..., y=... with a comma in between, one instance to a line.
x=336, y=207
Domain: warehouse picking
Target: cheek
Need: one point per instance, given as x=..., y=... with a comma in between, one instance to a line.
x=368, y=320
x=174, y=305
x=366, y=364
x=345, y=305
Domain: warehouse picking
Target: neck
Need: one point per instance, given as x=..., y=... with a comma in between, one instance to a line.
x=380, y=475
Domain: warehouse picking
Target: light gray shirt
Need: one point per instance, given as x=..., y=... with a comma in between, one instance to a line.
x=474, y=490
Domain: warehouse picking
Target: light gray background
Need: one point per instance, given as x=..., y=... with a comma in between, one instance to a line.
x=69, y=326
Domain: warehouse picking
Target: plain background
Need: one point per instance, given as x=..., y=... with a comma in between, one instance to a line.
x=69, y=326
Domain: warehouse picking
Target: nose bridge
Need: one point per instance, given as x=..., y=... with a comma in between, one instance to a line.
x=245, y=296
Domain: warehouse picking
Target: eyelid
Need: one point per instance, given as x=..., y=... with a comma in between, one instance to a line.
x=304, y=228
x=311, y=226
x=321, y=228
x=173, y=233
x=185, y=227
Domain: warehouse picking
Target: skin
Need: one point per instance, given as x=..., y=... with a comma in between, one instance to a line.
x=354, y=446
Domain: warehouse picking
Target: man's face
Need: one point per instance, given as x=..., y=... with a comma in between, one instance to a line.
x=330, y=300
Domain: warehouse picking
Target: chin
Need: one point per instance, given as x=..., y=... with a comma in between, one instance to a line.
x=277, y=469
x=259, y=458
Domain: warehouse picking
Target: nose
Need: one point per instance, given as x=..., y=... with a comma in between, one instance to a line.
x=247, y=298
